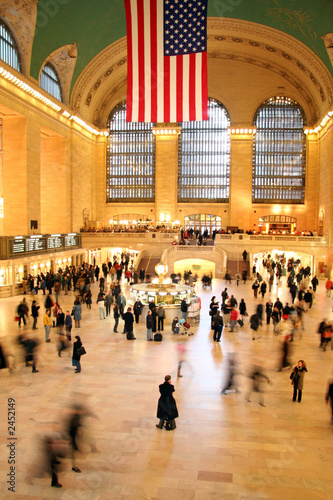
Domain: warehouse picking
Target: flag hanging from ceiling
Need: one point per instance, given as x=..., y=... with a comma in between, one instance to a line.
x=166, y=60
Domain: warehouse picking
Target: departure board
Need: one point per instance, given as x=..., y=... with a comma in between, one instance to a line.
x=35, y=244
x=54, y=242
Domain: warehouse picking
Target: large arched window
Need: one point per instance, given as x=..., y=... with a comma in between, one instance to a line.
x=130, y=172
x=204, y=157
x=278, y=174
x=49, y=81
x=8, y=49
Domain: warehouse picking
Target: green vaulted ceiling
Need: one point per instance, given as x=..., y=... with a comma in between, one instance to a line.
x=94, y=25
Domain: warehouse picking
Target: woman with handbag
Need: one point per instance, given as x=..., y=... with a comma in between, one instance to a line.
x=77, y=346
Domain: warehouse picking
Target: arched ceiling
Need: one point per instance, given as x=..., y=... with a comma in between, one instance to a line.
x=240, y=60
x=94, y=26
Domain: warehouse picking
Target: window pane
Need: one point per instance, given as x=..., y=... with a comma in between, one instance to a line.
x=130, y=159
x=204, y=157
x=49, y=81
x=8, y=48
x=278, y=174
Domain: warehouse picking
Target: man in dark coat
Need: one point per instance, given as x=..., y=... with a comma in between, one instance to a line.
x=137, y=309
x=167, y=408
x=30, y=347
x=34, y=314
x=329, y=397
x=315, y=283
x=128, y=324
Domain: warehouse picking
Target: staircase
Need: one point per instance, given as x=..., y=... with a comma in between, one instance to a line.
x=148, y=264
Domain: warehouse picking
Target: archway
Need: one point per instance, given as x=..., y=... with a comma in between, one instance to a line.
x=196, y=266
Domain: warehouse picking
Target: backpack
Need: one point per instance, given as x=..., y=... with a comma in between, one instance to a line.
x=158, y=337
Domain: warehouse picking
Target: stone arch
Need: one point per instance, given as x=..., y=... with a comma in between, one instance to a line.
x=20, y=18
x=238, y=51
x=63, y=60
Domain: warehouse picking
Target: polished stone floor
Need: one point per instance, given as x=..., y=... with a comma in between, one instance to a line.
x=223, y=447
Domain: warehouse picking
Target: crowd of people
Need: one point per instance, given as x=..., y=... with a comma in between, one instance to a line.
x=226, y=312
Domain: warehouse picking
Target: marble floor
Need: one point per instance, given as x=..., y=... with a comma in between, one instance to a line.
x=223, y=447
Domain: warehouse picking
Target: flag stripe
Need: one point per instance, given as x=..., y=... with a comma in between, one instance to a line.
x=129, y=58
x=179, y=89
x=162, y=87
x=153, y=59
x=204, y=86
x=192, y=88
x=160, y=64
x=173, y=89
x=167, y=78
x=141, y=60
x=186, y=88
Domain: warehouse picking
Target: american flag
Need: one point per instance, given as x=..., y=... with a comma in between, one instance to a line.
x=167, y=60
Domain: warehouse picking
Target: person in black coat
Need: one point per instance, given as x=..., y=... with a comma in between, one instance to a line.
x=30, y=346
x=263, y=289
x=154, y=316
x=167, y=408
x=76, y=356
x=315, y=283
x=329, y=397
x=269, y=309
x=218, y=326
x=242, y=308
x=128, y=324
x=34, y=313
x=138, y=306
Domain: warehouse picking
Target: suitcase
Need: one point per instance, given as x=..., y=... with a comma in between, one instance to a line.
x=240, y=322
x=187, y=325
x=158, y=337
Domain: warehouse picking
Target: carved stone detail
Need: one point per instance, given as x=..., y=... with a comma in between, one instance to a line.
x=109, y=61
x=328, y=39
x=20, y=15
x=64, y=59
x=280, y=44
x=104, y=78
x=280, y=70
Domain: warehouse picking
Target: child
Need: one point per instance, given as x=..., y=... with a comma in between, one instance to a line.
x=175, y=326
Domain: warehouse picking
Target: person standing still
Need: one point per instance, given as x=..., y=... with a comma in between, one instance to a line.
x=149, y=325
x=160, y=318
x=47, y=322
x=297, y=379
x=34, y=313
x=167, y=409
x=116, y=315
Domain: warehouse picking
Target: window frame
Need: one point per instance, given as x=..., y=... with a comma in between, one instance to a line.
x=275, y=177
x=49, y=78
x=144, y=191
x=200, y=178
x=12, y=43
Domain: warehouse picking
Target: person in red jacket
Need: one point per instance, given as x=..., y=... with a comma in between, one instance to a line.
x=233, y=319
x=328, y=286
